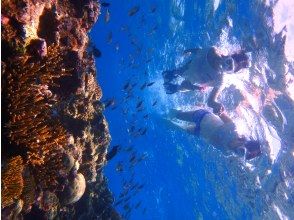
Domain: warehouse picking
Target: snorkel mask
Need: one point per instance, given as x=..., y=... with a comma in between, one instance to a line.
x=228, y=64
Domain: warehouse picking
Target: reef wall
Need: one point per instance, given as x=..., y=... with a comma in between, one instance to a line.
x=54, y=134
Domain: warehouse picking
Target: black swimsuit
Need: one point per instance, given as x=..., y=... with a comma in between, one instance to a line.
x=198, y=116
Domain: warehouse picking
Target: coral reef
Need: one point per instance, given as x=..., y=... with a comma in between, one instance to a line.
x=12, y=181
x=55, y=136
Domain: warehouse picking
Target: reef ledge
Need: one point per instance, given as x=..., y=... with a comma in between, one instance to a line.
x=54, y=134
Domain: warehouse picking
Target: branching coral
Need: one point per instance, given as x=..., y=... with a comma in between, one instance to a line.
x=31, y=123
x=12, y=181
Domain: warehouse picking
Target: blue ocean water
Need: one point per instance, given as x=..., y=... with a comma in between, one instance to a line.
x=160, y=171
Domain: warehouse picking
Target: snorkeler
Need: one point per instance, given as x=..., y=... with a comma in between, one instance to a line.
x=205, y=68
x=218, y=130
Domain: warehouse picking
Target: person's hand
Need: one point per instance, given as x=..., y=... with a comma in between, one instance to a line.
x=201, y=88
x=218, y=108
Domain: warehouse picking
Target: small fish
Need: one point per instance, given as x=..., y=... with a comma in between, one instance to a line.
x=154, y=103
x=128, y=149
x=119, y=167
x=133, y=10
x=139, y=104
x=153, y=30
x=146, y=116
x=141, y=186
x=132, y=129
x=152, y=8
x=124, y=28
x=143, y=132
x=133, y=158
x=138, y=205
x=150, y=84
x=118, y=202
x=144, y=211
x=110, y=102
x=143, y=86
x=107, y=16
x=126, y=86
x=112, y=152
x=109, y=37
x=105, y=4
x=148, y=61
x=96, y=52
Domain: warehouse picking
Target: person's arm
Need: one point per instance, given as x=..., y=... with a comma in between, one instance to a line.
x=225, y=118
x=211, y=102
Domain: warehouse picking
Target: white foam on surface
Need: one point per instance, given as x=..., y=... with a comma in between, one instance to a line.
x=283, y=16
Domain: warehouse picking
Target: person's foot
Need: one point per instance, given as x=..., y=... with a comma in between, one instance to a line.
x=252, y=150
x=171, y=88
x=172, y=113
x=169, y=75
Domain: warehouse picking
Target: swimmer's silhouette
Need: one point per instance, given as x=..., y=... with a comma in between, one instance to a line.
x=218, y=130
x=205, y=68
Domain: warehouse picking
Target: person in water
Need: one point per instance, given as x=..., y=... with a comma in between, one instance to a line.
x=218, y=130
x=205, y=68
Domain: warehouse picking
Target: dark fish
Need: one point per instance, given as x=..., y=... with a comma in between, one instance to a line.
x=143, y=132
x=107, y=16
x=126, y=86
x=152, y=31
x=105, y=4
x=139, y=104
x=138, y=205
x=141, y=186
x=96, y=52
x=118, y=202
x=112, y=152
x=152, y=8
x=150, y=84
x=154, y=103
x=119, y=167
x=133, y=10
x=133, y=158
x=144, y=211
x=129, y=96
x=148, y=61
x=134, y=84
x=128, y=149
x=146, y=116
x=143, y=86
x=124, y=28
x=110, y=102
x=114, y=107
x=109, y=37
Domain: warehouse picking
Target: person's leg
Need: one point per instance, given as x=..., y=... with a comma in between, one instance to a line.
x=185, y=86
x=188, y=116
x=170, y=75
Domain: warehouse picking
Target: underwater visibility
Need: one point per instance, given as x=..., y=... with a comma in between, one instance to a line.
x=136, y=109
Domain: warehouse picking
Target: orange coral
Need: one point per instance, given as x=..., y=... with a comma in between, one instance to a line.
x=12, y=181
x=31, y=124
